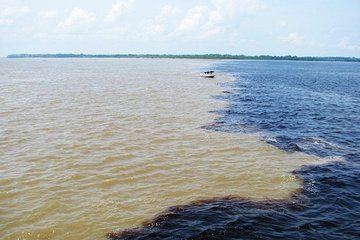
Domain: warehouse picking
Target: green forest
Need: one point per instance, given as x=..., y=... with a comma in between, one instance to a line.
x=187, y=56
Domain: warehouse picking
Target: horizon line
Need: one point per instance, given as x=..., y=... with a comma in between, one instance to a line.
x=179, y=54
x=187, y=56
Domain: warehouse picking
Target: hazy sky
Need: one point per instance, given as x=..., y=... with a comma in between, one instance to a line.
x=252, y=27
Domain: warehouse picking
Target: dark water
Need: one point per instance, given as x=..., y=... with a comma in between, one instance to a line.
x=313, y=107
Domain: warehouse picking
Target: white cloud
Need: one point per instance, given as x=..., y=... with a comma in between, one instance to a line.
x=9, y=14
x=48, y=13
x=293, y=38
x=193, y=19
x=212, y=25
x=232, y=7
x=77, y=16
x=210, y=32
x=112, y=33
x=168, y=11
x=40, y=36
x=203, y=21
x=154, y=29
x=163, y=21
x=213, y=20
x=119, y=8
x=345, y=44
x=283, y=23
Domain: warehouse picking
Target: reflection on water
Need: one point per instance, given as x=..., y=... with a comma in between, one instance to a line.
x=89, y=145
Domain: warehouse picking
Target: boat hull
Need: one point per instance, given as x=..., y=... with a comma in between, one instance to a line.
x=208, y=74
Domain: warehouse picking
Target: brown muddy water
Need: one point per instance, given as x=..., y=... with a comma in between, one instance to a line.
x=90, y=146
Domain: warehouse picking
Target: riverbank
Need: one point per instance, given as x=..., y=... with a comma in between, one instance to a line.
x=188, y=56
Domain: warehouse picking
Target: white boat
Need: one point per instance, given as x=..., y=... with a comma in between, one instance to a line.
x=208, y=74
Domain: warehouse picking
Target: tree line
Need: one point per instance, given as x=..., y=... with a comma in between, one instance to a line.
x=187, y=56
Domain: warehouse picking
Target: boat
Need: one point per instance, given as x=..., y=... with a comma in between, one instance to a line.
x=208, y=74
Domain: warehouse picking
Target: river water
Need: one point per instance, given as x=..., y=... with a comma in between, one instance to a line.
x=92, y=146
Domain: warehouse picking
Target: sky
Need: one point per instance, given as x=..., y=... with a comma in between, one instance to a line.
x=250, y=27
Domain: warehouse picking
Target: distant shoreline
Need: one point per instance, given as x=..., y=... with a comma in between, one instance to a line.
x=187, y=56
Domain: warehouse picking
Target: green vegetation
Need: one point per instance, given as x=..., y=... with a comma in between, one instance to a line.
x=188, y=56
